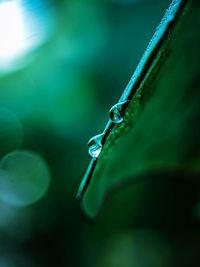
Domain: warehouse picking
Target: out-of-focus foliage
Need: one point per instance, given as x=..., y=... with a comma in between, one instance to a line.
x=53, y=98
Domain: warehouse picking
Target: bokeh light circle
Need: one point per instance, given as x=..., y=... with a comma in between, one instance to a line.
x=24, y=178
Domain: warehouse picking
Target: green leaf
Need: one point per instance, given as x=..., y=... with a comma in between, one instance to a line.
x=160, y=131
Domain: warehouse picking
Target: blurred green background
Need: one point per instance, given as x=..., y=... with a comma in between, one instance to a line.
x=63, y=64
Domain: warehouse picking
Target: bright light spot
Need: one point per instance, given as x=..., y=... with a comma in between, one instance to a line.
x=21, y=30
x=12, y=32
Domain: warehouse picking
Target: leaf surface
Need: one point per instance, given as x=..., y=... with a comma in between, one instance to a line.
x=160, y=131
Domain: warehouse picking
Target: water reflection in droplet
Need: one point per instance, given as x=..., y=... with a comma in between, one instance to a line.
x=95, y=145
x=117, y=112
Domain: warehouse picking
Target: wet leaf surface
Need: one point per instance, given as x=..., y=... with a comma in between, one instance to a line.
x=160, y=132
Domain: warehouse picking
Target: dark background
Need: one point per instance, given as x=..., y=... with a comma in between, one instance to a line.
x=54, y=96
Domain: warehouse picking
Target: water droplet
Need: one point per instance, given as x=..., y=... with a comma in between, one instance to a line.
x=95, y=145
x=117, y=112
